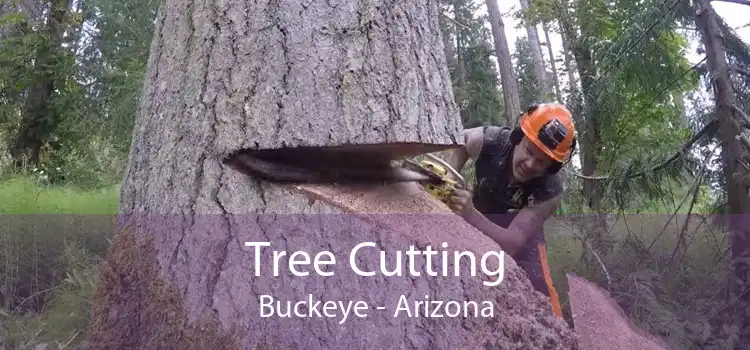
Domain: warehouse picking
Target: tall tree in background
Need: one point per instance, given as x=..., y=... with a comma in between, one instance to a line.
x=730, y=133
x=535, y=47
x=553, y=63
x=117, y=59
x=38, y=117
x=502, y=54
x=474, y=76
x=528, y=87
x=77, y=121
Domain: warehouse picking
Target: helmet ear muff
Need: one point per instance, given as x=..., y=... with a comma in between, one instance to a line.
x=516, y=135
x=556, y=166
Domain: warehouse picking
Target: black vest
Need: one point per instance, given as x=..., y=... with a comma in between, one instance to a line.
x=494, y=196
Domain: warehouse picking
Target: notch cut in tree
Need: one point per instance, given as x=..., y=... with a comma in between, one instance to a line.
x=229, y=76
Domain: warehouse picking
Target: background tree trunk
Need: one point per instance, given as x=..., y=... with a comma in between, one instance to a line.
x=569, y=67
x=536, y=53
x=37, y=117
x=738, y=200
x=227, y=77
x=448, y=45
x=507, y=79
x=553, y=64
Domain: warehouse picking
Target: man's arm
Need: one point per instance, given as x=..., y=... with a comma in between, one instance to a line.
x=473, y=140
x=526, y=224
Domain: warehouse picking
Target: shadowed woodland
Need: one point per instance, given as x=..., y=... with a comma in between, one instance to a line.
x=662, y=156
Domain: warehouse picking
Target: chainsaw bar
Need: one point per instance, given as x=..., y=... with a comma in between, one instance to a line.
x=326, y=171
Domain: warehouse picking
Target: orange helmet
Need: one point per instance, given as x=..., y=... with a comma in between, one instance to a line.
x=550, y=127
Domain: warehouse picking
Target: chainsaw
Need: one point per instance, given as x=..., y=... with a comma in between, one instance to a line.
x=324, y=165
x=435, y=167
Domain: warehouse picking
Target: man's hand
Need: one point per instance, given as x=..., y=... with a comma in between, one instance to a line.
x=461, y=202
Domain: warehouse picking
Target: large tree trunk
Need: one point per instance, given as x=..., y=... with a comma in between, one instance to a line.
x=507, y=79
x=228, y=76
x=732, y=152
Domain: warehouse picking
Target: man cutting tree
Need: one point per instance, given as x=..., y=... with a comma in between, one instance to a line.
x=517, y=185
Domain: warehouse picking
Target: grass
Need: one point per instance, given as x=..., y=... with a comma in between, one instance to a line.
x=51, y=241
x=21, y=195
x=48, y=268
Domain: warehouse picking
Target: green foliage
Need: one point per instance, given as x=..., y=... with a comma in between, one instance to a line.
x=117, y=61
x=17, y=51
x=639, y=67
x=97, y=80
x=483, y=104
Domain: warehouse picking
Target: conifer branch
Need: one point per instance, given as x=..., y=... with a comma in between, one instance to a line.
x=659, y=166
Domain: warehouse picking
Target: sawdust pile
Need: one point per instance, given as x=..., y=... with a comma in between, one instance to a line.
x=406, y=215
x=601, y=323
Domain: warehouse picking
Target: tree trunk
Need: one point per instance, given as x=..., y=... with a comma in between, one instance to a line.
x=180, y=275
x=569, y=68
x=37, y=117
x=447, y=41
x=553, y=64
x=460, y=64
x=540, y=71
x=732, y=152
x=585, y=112
x=508, y=80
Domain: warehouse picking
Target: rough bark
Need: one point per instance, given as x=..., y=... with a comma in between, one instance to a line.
x=512, y=100
x=224, y=77
x=540, y=72
x=228, y=76
x=738, y=199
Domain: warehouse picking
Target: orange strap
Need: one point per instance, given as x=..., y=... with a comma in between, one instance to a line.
x=553, y=297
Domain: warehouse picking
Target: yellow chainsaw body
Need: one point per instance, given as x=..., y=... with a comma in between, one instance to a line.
x=443, y=191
